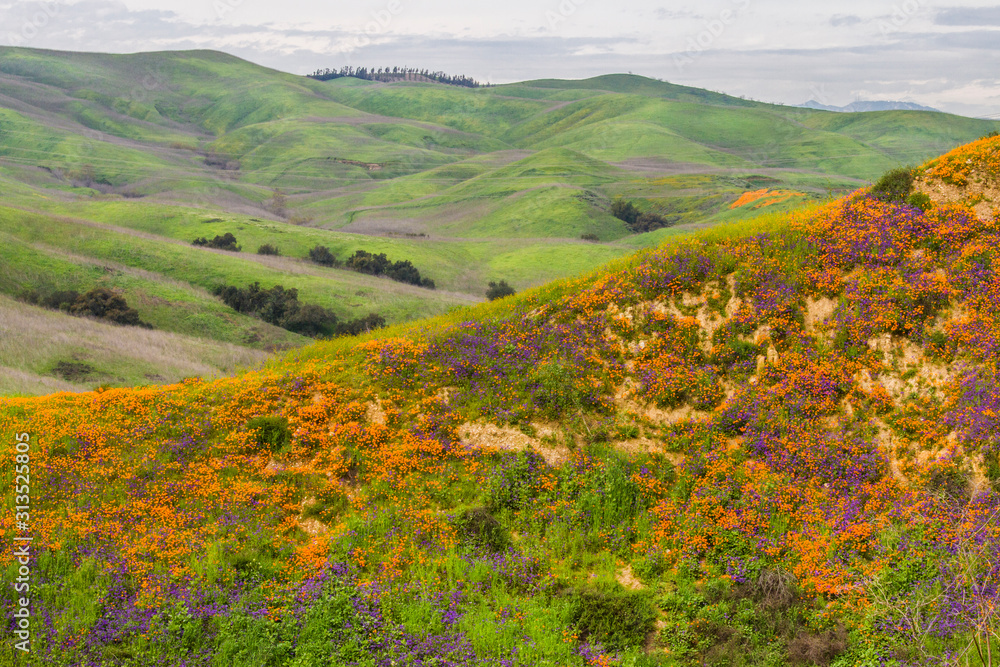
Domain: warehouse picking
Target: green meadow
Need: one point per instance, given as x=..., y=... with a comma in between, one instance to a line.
x=111, y=165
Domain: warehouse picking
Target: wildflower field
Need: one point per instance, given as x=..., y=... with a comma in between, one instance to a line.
x=771, y=444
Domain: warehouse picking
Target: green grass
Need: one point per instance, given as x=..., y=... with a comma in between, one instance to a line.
x=470, y=185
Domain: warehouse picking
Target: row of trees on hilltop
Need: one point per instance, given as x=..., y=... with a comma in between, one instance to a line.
x=394, y=74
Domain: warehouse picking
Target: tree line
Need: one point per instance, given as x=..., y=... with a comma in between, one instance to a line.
x=393, y=74
x=281, y=307
x=361, y=261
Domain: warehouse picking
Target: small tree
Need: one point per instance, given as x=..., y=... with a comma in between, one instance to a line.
x=104, y=304
x=322, y=255
x=225, y=242
x=894, y=185
x=268, y=249
x=499, y=290
x=625, y=211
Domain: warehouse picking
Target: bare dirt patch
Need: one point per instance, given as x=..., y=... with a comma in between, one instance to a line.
x=818, y=311
x=980, y=189
x=491, y=436
x=628, y=579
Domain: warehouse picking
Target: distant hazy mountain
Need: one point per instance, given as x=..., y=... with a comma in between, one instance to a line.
x=869, y=105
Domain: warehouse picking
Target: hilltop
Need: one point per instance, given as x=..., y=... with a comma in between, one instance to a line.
x=111, y=165
x=768, y=443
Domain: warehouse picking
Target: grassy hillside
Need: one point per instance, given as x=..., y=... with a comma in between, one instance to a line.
x=118, y=162
x=770, y=443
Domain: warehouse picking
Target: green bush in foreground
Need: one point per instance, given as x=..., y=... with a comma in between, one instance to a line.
x=271, y=432
x=617, y=618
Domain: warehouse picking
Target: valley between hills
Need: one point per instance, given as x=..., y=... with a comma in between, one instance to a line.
x=763, y=434
x=111, y=165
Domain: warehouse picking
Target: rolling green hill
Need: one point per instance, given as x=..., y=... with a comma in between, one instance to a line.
x=110, y=165
x=773, y=442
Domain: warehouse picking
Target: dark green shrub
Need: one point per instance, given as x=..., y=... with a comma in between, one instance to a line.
x=271, y=305
x=380, y=265
x=617, y=618
x=225, y=242
x=281, y=307
x=320, y=254
x=271, y=432
x=498, y=290
x=105, y=305
x=268, y=249
x=919, y=200
x=73, y=371
x=590, y=237
x=100, y=303
x=311, y=320
x=479, y=530
x=625, y=211
x=636, y=220
x=894, y=185
x=60, y=300
x=648, y=222
x=361, y=325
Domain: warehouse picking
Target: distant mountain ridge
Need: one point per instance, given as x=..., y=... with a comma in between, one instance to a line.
x=868, y=105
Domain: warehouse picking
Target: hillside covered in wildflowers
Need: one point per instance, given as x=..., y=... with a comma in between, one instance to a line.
x=771, y=444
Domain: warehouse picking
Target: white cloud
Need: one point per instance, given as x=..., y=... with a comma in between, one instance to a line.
x=766, y=49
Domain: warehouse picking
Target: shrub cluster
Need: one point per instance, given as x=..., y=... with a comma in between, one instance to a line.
x=99, y=303
x=636, y=220
x=225, y=242
x=379, y=265
x=372, y=264
x=498, y=290
x=268, y=249
x=896, y=186
x=320, y=254
x=617, y=618
x=281, y=307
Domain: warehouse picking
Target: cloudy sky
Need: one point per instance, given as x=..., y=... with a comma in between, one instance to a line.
x=942, y=54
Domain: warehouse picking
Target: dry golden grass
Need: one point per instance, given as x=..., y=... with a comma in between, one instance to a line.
x=33, y=340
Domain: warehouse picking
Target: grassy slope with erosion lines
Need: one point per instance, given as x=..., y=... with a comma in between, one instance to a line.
x=126, y=158
x=770, y=443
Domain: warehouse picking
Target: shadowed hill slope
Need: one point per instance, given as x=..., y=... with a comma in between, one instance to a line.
x=756, y=446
